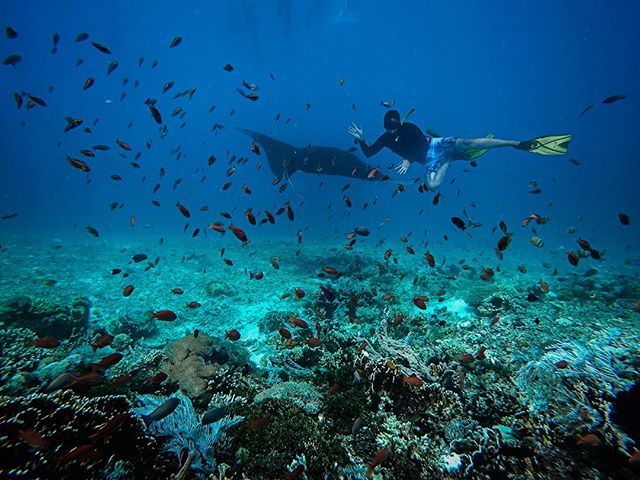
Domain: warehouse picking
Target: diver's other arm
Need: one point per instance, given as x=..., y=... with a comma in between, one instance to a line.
x=368, y=150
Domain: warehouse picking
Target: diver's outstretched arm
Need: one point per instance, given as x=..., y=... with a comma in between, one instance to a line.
x=368, y=150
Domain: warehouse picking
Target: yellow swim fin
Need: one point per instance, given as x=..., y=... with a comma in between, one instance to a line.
x=549, y=145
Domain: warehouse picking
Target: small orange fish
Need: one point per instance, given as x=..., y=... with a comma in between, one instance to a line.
x=330, y=270
x=183, y=210
x=44, y=342
x=300, y=293
x=420, y=302
x=79, y=164
x=88, y=83
x=284, y=333
x=239, y=233
x=34, y=439
x=232, y=335
x=164, y=315
x=412, y=380
x=544, y=286
x=466, y=358
x=123, y=145
x=298, y=322
x=588, y=440
x=379, y=457
x=430, y=260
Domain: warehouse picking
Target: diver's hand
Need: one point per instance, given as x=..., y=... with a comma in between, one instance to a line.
x=356, y=132
x=403, y=167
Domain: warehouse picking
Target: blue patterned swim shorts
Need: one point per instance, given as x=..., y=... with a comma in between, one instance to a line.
x=439, y=148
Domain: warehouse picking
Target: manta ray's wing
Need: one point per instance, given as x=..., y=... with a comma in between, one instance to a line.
x=281, y=156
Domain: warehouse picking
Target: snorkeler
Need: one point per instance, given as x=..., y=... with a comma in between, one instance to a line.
x=436, y=153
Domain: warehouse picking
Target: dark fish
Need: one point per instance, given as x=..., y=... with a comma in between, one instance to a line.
x=10, y=33
x=18, y=99
x=458, y=222
x=624, y=219
x=55, y=39
x=139, y=257
x=613, y=99
x=79, y=62
x=155, y=113
x=92, y=231
x=575, y=162
x=72, y=123
x=37, y=100
x=88, y=83
x=101, y=48
x=9, y=216
x=81, y=37
x=112, y=66
x=573, y=258
x=214, y=415
x=164, y=410
x=167, y=86
x=154, y=63
x=228, y=67
x=586, y=110
x=12, y=60
x=175, y=42
x=251, y=96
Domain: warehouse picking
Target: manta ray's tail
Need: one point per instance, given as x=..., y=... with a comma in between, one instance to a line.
x=280, y=155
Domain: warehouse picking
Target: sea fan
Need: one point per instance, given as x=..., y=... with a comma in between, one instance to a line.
x=185, y=431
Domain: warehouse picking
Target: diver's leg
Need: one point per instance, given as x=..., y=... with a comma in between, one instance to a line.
x=435, y=178
x=464, y=145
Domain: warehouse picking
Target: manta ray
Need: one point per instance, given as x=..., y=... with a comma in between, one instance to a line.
x=285, y=160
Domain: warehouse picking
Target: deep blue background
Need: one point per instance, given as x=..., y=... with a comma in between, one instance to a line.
x=515, y=68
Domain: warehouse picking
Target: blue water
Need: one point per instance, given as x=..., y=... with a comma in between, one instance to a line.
x=517, y=69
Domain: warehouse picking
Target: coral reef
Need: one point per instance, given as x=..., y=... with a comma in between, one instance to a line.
x=62, y=434
x=45, y=317
x=304, y=395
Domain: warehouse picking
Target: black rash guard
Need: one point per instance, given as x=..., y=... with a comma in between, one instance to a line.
x=408, y=142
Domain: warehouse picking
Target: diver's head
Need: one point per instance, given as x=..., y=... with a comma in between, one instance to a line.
x=392, y=120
